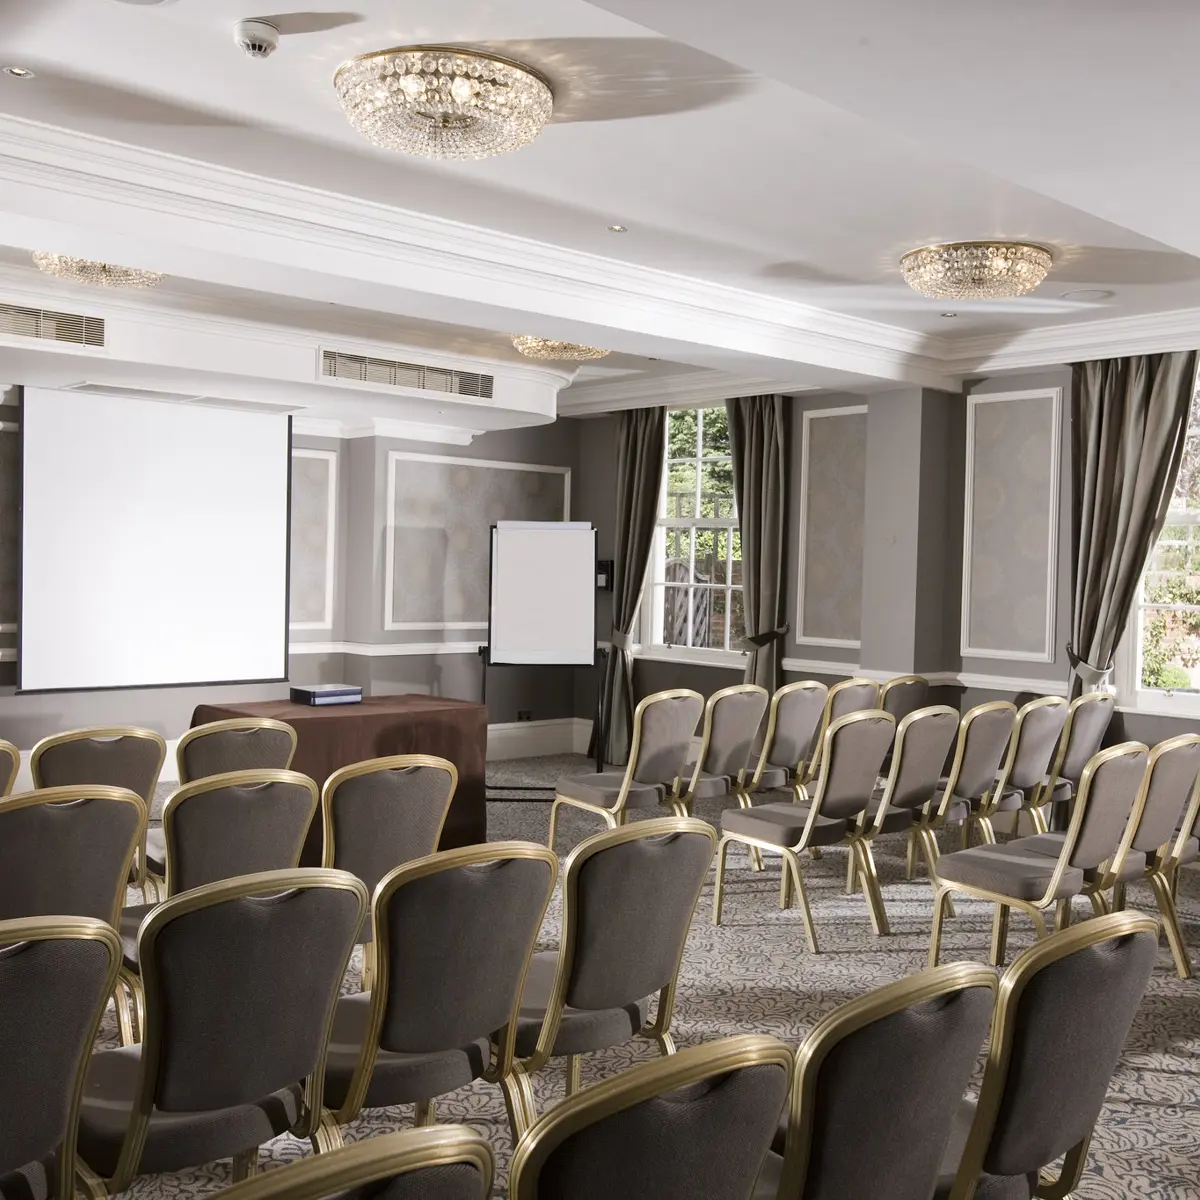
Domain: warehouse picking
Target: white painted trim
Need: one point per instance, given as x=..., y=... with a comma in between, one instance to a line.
x=386, y=427
x=389, y=548
x=1046, y=654
x=684, y=389
x=528, y=739
x=384, y=649
x=1007, y=683
x=331, y=523
x=853, y=410
x=817, y=666
x=734, y=660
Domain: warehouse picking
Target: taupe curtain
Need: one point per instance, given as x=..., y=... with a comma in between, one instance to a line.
x=641, y=455
x=759, y=429
x=1129, y=419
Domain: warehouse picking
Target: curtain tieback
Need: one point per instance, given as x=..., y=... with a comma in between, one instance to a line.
x=1091, y=677
x=621, y=641
x=758, y=641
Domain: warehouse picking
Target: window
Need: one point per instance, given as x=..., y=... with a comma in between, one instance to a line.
x=1163, y=655
x=694, y=599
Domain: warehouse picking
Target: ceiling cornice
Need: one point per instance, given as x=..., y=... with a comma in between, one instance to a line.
x=687, y=389
x=382, y=427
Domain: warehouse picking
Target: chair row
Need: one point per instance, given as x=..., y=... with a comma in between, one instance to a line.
x=733, y=1118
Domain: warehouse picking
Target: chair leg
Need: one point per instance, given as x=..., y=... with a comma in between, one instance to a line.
x=932, y=854
x=1118, y=900
x=870, y=878
x=987, y=831
x=328, y=1134
x=1039, y=923
x=368, y=967
x=964, y=834
x=851, y=872
x=1099, y=903
x=124, y=1020
x=574, y=1064
x=940, y=902
x=665, y=1043
x=719, y=881
x=553, y=822
x=815, y=853
x=88, y=1183
x=792, y=864
x=785, y=886
x=425, y=1115
x=910, y=864
x=245, y=1164
x=999, y=935
x=1038, y=816
x=1166, y=906
x=756, y=858
x=1062, y=915
x=519, y=1101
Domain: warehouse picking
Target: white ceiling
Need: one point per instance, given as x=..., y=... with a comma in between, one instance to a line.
x=788, y=150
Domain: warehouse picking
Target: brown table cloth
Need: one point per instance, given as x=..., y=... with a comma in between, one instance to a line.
x=335, y=735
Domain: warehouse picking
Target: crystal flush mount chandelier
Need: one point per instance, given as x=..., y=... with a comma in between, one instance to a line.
x=551, y=351
x=976, y=270
x=99, y=274
x=442, y=101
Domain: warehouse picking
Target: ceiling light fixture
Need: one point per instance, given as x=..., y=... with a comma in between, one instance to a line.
x=551, y=351
x=99, y=274
x=442, y=101
x=618, y=229
x=976, y=270
x=19, y=72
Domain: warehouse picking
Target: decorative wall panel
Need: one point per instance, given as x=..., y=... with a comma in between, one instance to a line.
x=314, y=538
x=1010, y=527
x=438, y=537
x=833, y=479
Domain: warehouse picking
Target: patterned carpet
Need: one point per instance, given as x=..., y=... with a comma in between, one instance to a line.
x=753, y=974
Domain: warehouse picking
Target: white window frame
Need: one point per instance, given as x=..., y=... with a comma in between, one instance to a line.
x=650, y=617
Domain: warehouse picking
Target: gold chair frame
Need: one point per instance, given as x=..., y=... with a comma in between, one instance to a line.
x=108, y=733
x=899, y=681
x=657, y=1030
x=265, y=883
x=500, y=1071
x=738, y=788
x=632, y=1087
x=798, y=771
x=369, y=1161
x=792, y=877
x=1012, y=985
x=814, y=765
x=45, y=929
x=232, y=725
x=1035, y=908
x=8, y=774
x=618, y=813
x=844, y=1021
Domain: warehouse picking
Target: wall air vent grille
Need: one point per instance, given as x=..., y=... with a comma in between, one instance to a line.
x=386, y=373
x=17, y=321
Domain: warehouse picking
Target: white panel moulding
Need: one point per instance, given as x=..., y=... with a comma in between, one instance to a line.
x=330, y=457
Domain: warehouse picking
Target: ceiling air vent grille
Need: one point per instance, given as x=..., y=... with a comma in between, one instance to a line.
x=383, y=371
x=51, y=326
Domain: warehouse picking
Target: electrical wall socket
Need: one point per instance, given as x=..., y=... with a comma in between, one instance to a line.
x=524, y=714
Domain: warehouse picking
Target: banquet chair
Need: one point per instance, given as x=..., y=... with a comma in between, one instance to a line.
x=923, y=739
x=10, y=764
x=382, y=813
x=854, y=747
x=1064, y=1012
x=56, y=975
x=697, y=1124
x=659, y=747
x=122, y=756
x=1020, y=874
x=795, y=713
x=241, y=978
x=1163, y=872
x=849, y=696
x=732, y=717
x=1036, y=732
x=628, y=900
x=239, y=744
x=903, y=694
x=451, y=1162
x=454, y=934
x=878, y=1085
x=220, y=827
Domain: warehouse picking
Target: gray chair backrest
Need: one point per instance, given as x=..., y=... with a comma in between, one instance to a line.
x=855, y=695
x=1088, y=724
x=10, y=764
x=68, y=850
x=629, y=908
x=239, y=823
x=224, y=746
x=126, y=760
x=55, y=980
x=1038, y=728
x=983, y=738
x=1172, y=769
x=735, y=715
x=923, y=740
x=855, y=746
x=457, y=940
x=1054, y=1086
x=666, y=724
x=1106, y=799
x=382, y=814
x=904, y=695
x=240, y=988
x=798, y=712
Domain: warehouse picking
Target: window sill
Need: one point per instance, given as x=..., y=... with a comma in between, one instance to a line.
x=1158, y=704
x=734, y=660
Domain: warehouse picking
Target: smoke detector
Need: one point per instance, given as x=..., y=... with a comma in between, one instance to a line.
x=258, y=39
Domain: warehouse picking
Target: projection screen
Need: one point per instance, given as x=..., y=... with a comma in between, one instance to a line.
x=154, y=543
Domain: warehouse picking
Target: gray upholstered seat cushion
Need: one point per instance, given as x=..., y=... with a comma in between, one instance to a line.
x=1011, y=869
x=708, y=787
x=131, y=921
x=581, y=1030
x=1191, y=850
x=603, y=790
x=781, y=824
x=31, y=1182
x=1051, y=844
x=895, y=820
x=156, y=850
x=397, y=1078
x=774, y=777
x=175, y=1139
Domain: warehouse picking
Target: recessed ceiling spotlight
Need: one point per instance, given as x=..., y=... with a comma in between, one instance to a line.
x=1088, y=294
x=949, y=316
x=618, y=229
x=19, y=72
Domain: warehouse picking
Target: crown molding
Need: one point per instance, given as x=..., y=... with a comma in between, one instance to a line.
x=682, y=390
x=383, y=427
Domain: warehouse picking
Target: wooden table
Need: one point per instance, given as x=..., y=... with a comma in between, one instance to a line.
x=333, y=736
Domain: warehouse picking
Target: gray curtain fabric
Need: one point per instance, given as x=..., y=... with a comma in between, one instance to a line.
x=1129, y=419
x=641, y=456
x=759, y=429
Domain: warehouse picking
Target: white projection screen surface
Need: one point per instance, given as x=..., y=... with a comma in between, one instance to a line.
x=543, y=596
x=154, y=543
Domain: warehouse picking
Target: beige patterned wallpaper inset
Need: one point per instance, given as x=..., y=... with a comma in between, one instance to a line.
x=834, y=467
x=314, y=523
x=10, y=523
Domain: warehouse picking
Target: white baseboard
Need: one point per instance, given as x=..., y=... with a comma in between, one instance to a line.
x=526, y=739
